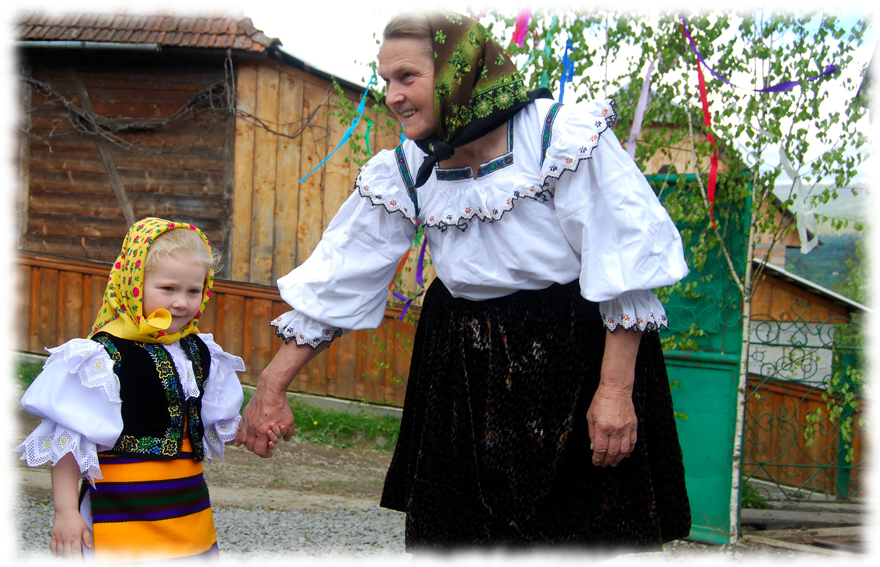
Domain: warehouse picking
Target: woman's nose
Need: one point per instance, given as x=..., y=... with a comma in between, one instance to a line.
x=393, y=94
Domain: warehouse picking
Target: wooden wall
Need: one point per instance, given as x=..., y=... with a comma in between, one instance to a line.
x=775, y=300
x=67, y=203
x=237, y=181
x=278, y=220
x=58, y=298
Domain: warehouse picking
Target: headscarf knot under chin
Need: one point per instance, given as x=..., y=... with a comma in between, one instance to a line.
x=477, y=87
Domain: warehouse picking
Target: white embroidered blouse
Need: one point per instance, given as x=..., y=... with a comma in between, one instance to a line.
x=565, y=202
x=77, y=394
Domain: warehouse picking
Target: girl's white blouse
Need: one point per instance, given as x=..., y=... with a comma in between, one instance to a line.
x=77, y=394
x=565, y=202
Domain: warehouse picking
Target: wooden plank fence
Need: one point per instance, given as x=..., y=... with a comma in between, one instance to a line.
x=776, y=414
x=58, y=297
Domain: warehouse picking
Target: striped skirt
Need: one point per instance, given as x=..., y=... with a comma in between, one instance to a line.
x=147, y=510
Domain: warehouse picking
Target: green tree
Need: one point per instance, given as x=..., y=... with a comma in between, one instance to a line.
x=812, y=132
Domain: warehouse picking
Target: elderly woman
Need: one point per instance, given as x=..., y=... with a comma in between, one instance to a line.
x=537, y=408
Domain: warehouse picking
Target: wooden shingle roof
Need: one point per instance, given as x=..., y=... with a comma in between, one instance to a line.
x=218, y=32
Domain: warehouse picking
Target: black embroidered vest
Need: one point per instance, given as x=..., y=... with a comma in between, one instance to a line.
x=155, y=412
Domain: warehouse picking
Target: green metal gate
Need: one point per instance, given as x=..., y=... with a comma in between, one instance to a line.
x=702, y=348
x=806, y=380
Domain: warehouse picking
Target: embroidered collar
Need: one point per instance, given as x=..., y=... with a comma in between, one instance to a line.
x=461, y=173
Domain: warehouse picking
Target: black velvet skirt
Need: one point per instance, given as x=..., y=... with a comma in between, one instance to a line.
x=494, y=448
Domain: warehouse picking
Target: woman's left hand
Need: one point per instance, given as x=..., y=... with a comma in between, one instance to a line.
x=612, y=417
x=613, y=425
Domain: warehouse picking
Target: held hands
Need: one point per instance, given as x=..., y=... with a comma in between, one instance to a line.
x=267, y=416
x=69, y=532
x=266, y=419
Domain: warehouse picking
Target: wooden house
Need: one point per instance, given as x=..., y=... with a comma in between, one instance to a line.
x=204, y=120
x=199, y=119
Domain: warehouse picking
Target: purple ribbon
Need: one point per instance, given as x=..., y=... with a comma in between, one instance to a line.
x=420, y=279
x=786, y=86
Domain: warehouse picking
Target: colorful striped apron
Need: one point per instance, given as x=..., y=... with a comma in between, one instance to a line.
x=144, y=510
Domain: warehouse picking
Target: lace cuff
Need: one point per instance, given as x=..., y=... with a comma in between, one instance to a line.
x=218, y=435
x=50, y=441
x=303, y=329
x=223, y=369
x=639, y=309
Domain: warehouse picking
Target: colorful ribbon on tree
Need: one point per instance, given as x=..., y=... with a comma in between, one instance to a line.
x=707, y=121
x=347, y=134
x=640, y=112
x=522, y=27
x=567, y=69
x=781, y=87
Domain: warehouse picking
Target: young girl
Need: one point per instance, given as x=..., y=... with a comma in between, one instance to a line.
x=137, y=406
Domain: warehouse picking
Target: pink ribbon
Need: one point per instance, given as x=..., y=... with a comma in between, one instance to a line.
x=522, y=26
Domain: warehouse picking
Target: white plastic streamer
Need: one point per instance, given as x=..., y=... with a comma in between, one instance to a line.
x=806, y=220
x=640, y=112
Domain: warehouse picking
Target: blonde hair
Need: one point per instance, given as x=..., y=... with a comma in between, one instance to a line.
x=176, y=241
x=409, y=24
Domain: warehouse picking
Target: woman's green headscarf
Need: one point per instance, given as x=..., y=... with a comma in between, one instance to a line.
x=477, y=88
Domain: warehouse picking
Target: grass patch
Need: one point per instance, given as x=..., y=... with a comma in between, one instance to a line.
x=26, y=371
x=327, y=427
x=341, y=429
x=751, y=498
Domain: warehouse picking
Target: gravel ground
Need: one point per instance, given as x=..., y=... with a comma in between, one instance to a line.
x=243, y=533
x=315, y=503
x=366, y=533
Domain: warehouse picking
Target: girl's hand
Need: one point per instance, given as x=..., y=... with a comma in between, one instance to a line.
x=275, y=433
x=68, y=533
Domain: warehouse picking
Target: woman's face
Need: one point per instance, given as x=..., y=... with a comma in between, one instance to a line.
x=407, y=66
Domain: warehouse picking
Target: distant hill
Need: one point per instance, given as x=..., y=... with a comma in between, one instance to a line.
x=826, y=264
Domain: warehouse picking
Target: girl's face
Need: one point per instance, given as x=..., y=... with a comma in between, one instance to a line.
x=175, y=285
x=407, y=66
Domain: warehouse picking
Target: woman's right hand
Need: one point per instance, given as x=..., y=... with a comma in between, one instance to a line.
x=269, y=407
x=69, y=533
x=266, y=410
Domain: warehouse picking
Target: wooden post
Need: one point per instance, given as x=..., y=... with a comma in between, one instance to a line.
x=104, y=150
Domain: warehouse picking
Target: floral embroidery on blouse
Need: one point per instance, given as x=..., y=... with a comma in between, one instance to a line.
x=571, y=163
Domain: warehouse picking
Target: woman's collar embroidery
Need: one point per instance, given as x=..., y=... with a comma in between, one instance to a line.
x=460, y=173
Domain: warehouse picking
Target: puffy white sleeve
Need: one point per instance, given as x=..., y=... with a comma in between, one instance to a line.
x=222, y=399
x=344, y=283
x=77, y=394
x=608, y=212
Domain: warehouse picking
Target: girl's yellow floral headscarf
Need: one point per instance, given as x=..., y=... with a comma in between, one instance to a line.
x=121, y=313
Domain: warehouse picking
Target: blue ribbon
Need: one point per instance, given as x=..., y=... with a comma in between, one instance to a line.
x=348, y=132
x=567, y=69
